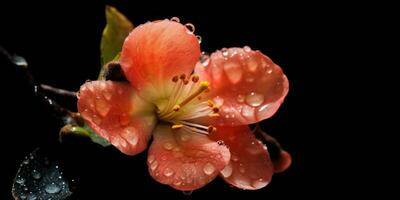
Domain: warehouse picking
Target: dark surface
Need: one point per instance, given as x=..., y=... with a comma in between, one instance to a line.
x=60, y=41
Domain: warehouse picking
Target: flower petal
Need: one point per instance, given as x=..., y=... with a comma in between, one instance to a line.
x=248, y=86
x=283, y=162
x=114, y=112
x=250, y=166
x=155, y=52
x=183, y=160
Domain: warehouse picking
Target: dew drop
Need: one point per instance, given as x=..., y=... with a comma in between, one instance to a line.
x=233, y=71
x=242, y=170
x=177, y=182
x=168, y=146
x=36, y=174
x=96, y=119
x=102, y=107
x=190, y=28
x=254, y=99
x=225, y=52
x=20, y=180
x=259, y=183
x=218, y=101
x=175, y=19
x=22, y=197
x=151, y=159
x=124, y=119
x=107, y=95
x=240, y=98
x=269, y=71
x=235, y=158
x=246, y=48
x=31, y=197
x=204, y=59
x=250, y=79
x=168, y=172
x=26, y=189
x=247, y=112
x=184, y=137
x=220, y=142
x=26, y=161
x=154, y=165
x=199, y=38
x=252, y=65
x=130, y=135
x=227, y=171
x=52, y=188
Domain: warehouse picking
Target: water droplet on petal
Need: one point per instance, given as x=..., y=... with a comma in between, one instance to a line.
x=242, y=170
x=102, y=107
x=235, y=158
x=233, y=71
x=22, y=197
x=209, y=168
x=218, y=101
x=225, y=52
x=175, y=19
x=107, y=95
x=246, y=48
x=177, y=182
x=254, y=99
x=168, y=172
x=220, y=142
x=198, y=38
x=96, y=119
x=168, y=146
x=227, y=171
x=151, y=159
x=204, y=59
x=269, y=71
x=124, y=119
x=36, y=174
x=26, y=161
x=190, y=28
x=259, y=183
x=131, y=136
x=240, y=98
x=247, y=112
x=52, y=188
x=154, y=165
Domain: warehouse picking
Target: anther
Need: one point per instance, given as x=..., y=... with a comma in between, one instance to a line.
x=182, y=76
x=215, y=109
x=175, y=79
x=176, y=108
x=195, y=78
x=211, y=129
x=185, y=81
x=176, y=126
x=210, y=103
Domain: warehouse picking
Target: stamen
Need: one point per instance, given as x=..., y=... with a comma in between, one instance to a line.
x=176, y=108
x=175, y=79
x=203, y=86
x=213, y=115
x=215, y=109
x=195, y=78
x=182, y=76
x=210, y=103
x=211, y=129
x=177, y=126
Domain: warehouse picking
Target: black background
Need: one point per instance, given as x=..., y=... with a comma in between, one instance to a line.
x=60, y=41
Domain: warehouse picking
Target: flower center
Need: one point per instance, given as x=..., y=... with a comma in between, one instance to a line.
x=186, y=104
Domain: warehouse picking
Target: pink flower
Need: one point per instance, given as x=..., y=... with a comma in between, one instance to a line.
x=198, y=120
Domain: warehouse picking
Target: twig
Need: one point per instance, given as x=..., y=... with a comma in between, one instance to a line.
x=58, y=91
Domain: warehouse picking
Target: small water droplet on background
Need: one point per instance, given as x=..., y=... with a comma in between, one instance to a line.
x=175, y=19
x=52, y=188
x=190, y=28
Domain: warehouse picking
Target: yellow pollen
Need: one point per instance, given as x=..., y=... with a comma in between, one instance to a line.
x=176, y=126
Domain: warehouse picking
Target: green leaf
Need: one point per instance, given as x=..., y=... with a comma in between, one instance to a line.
x=114, y=34
x=84, y=131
